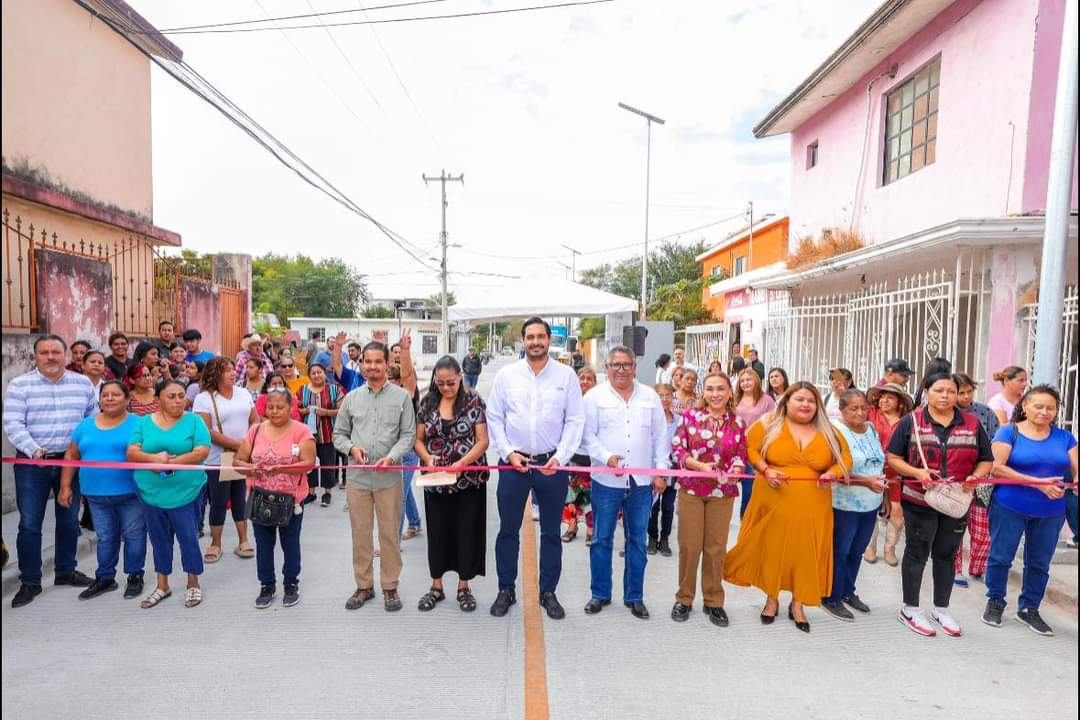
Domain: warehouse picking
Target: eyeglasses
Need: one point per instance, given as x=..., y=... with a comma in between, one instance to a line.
x=622, y=367
x=286, y=367
x=446, y=383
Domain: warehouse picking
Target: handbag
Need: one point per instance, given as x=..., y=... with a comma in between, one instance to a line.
x=269, y=508
x=984, y=492
x=227, y=456
x=948, y=498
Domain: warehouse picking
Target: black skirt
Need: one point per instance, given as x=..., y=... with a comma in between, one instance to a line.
x=457, y=532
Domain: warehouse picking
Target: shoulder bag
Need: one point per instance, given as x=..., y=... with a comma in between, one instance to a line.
x=269, y=508
x=227, y=456
x=948, y=498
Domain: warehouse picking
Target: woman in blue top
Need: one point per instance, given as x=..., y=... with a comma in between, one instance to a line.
x=1029, y=448
x=172, y=436
x=855, y=500
x=114, y=505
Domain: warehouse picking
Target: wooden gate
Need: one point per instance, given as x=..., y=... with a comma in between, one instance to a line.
x=232, y=319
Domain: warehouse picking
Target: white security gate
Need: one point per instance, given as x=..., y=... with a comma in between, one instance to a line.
x=1067, y=382
x=923, y=316
x=705, y=343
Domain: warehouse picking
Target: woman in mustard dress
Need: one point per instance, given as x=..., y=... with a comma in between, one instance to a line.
x=785, y=541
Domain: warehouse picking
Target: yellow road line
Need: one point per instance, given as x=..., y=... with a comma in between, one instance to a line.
x=536, y=692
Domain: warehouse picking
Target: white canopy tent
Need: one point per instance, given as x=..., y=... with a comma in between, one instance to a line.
x=543, y=297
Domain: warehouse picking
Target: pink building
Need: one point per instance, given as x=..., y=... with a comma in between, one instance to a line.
x=927, y=133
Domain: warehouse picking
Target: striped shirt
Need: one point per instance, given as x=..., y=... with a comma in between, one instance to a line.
x=40, y=413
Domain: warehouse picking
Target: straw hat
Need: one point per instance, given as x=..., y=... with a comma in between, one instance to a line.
x=906, y=403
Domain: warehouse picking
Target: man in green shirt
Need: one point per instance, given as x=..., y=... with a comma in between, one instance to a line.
x=376, y=425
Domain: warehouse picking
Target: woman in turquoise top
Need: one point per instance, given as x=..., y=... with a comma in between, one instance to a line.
x=172, y=436
x=856, y=501
x=116, y=509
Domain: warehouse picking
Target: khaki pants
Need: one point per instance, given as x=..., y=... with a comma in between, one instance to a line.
x=703, y=529
x=364, y=507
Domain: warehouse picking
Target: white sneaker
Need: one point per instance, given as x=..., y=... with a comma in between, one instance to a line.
x=916, y=620
x=947, y=622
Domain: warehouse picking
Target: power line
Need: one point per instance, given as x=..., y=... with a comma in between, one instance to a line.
x=327, y=13
x=345, y=57
x=453, y=16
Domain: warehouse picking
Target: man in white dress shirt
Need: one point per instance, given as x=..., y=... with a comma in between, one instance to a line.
x=625, y=426
x=535, y=423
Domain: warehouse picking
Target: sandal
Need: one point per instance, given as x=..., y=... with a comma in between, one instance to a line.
x=245, y=550
x=411, y=533
x=212, y=554
x=569, y=535
x=192, y=597
x=465, y=599
x=588, y=539
x=431, y=598
x=154, y=598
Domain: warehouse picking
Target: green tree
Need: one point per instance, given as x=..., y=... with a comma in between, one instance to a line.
x=377, y=312
x=435, y=301
x=299, y=286
x=669, y=263
x=591, y=327
x=680, y=302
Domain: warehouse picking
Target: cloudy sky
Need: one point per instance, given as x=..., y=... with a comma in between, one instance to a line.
x=525, y=105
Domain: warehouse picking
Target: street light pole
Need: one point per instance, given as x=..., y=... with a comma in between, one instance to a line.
x=649, y=120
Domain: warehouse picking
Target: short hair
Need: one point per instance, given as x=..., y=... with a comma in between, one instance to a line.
x=377, y=346
x=174, y=344
x=395, y=346
x=534, y=320
x=50, y=338
x=86, y=344
x=844, y=399
x=163, y=323
x=315, y=335
x=191, y=334
x=117, y=336
x=622, y=350
x=354, y=345
x=966, y=380
x=754, y=351
x=93, y=352
x=168, y=382
x=115, y=383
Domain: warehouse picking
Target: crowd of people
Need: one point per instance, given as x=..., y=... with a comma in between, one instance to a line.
x=815, y=476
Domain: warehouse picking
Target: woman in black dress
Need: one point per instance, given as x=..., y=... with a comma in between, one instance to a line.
x=452, y=430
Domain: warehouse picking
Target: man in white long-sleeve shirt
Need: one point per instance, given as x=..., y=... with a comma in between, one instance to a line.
x=535, y=422
x=625, y=426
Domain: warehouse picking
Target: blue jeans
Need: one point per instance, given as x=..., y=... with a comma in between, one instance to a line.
x=116, y=517
x=636, y=504
x=471, y=380
x=851, y=535
x=1071, y=512
x=32, y=487
x=408, y=506
x=1040, y=539
x=163, y=524
x=747, y=486
x=512, y=494
x=266, y=539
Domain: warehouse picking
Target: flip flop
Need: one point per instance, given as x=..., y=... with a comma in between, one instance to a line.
x=244, y=550
x=193, y=597
x=154, y=598
x=212, y=554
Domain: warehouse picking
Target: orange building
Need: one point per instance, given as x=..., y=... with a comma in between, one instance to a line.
x=739, y=253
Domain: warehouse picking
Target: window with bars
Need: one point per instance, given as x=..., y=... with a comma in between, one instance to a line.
x=911, y=119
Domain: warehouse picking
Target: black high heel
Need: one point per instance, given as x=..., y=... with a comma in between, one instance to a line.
x=769, y=619
x=804, y=626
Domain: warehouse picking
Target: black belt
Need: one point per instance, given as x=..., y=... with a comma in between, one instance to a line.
x=46, y=456
x=536, y=458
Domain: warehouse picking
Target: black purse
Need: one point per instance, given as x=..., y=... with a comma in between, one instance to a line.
x=269, y=508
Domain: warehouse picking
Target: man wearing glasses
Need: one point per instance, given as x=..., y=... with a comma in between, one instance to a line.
x=625, y=426
x=535, y=423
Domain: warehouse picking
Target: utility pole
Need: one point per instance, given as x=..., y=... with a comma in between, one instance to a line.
x=649, y=120
x=750, y=252
x=573, y=262
x=443, y=178
x=1058, y=192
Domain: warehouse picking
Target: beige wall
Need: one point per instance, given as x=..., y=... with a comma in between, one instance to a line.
x=76, y=102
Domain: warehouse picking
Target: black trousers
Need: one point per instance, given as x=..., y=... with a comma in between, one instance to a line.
x=930, y=536
x=663, y=511
x=318, y=476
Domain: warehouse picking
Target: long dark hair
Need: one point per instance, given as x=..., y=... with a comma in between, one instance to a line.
x=768, y=385
x=937, y=366
x=434, y=397
x=1018, y=412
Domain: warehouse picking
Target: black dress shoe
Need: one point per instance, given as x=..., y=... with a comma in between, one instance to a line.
x=549, y=602
x=98, y=587
x=26, y=595
x=638, y=610
x=502, y=603
x=680, y=612
x=804, y=626
x=665, y=548
x=74, y=579
x=855, y=603
x=595, y=605
x=767, y=619
x=134, y=587
x=652, y=547
x=717, y=616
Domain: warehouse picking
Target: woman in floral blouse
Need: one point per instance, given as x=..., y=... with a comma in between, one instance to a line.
x=452, y=430
x=579, y=493
x=710, y=438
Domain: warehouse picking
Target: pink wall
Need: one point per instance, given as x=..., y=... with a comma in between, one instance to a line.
x=200, y=308
x=74, y=297
x=986, y=61
x=1044, y=77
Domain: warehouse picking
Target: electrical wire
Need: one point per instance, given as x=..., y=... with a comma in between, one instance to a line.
x=345, y=57
x=304, y=16
x=214, y=30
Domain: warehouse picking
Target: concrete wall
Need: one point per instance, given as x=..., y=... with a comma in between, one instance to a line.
x=18, y=358
x=74, y=297
x=76, y=102
x=200, y=308
x=982, y=131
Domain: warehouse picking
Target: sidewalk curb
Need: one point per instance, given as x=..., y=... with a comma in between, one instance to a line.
x=1057, y=594
x=85, y=548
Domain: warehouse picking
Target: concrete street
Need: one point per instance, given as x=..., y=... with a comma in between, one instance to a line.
x=224, y=659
